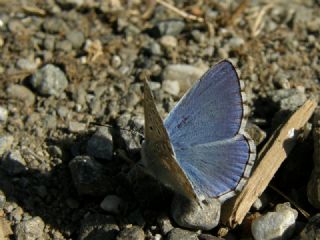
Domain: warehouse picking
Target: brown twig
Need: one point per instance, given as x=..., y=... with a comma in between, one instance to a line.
x=180, y=12
x=271, y=156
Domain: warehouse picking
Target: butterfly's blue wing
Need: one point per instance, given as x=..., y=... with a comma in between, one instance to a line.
x=217, y=168
x=206, y=130
x=212, y=109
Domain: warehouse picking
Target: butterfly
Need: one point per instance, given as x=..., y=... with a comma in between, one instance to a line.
x=201, y=149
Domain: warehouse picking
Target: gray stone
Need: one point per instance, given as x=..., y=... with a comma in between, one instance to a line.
x=76, y=38
x=132, y=233
x=76, y=127
x=26, y=64
x=30, y=229
x=170, y=27
x=191, y=215
x=275, y=225
x=98, y=227
x=89, y=176
x=261, y=202
x=236, y=42
x=21, y=93
x=3, y=199
x=49, y=80
x=14, y=163
x=112, y=204
x=185, y=74
x=178, y=234
x=55, y=25
x=288, y=99
x=49, y=43
x=3, y=114
x=100, y=145
x=171, y=86
x=168, y=41
x=155, y=48
x=164, y=224
x=64, y=45
x=5, y=143
x=312, y=229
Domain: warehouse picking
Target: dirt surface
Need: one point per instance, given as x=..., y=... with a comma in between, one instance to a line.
x=67, y=66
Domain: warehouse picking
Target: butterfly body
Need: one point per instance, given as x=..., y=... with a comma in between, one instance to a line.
x=201, y=149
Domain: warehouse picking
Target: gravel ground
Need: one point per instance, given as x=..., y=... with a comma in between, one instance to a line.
x=71, y=115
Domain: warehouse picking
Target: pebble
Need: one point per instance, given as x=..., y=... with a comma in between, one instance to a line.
x=49, y=80
x=168, y=41
x=100, y=145
x=155, y=48
x=14, y=163
x=164, y=224
x=5, y=143
x=311, y=230
x=178, y=234
x=3, y=114
x=185, y=74
x=21, y=93
x=76, y=127
x=275, y=225
x=256, y=133
x=169, y=27
x=112, y=204
x=98, y=226
x=288, y=99
x=30, y=229
x=89, y=176
x=116, y=61
x=54, y=25
x=64, y=45
x=26, y=64
x=236, y=42
x=190, y=214
x=76, y=38
x=3, y=199
x=132, y=233
x=171, y=86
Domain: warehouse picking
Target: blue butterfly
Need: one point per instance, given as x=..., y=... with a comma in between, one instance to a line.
x=201, y=149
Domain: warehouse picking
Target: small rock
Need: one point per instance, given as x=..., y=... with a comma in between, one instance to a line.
x=164, y=224
x=112, y=204
x=3, y=114
x=208, y=237
x=3, y=199
x=89, y=176
x=116, y=61
x=172, y=87
x=178, y=233
x=132, y=233
x=76, y=127
x=55, y=25
x=185, y=74
x=76, y=38
x=26, y=64
x=21, y=93
x=14, y=163
x=256, y=133
x=98, y=226
x=236, y=42
x=168, y=41
x=261, y=202
x=130, y=141
x=49, y=80
x=155, y=48
x=100, y=145
x=5, y=143
x=190, y=214
x=68, y=3
x=311, y=230
x=275, y=225
x=64, y=45
x=288, y=99
x=169, y=27
x=30, y=229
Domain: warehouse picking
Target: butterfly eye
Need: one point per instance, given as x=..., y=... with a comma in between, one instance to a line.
x=151, y=128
